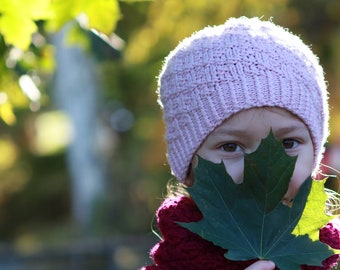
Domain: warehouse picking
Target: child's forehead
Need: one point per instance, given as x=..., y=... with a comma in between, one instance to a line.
x=260, y=118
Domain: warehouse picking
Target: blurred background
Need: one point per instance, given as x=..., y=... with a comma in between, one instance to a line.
x=82, y=164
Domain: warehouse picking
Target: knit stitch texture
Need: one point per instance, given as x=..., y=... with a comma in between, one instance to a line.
x=241, y=64
x=181, y=249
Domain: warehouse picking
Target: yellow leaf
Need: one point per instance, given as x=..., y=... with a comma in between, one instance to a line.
x=33, y=9
x=17, y=20
x=102, y=14
x=61, y=12
x=6, y=113
x=314, y=215
x=17, y=30
x=36, y=9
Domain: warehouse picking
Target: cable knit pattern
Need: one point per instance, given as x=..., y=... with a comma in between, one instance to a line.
x=181, y=249
x=241, y=64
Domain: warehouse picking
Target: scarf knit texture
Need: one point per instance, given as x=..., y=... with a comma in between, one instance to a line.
x=181, y=249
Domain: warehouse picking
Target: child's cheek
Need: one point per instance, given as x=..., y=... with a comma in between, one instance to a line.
x=300, y=174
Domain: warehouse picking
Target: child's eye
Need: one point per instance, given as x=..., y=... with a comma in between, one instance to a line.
x=290, y=143
x=230, y=147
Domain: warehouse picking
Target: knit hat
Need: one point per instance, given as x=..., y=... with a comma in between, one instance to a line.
x=241, y=64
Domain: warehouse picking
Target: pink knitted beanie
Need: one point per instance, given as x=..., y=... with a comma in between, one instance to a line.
x=241, y=64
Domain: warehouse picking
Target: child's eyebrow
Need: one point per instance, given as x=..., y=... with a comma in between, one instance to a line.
x=289, y=129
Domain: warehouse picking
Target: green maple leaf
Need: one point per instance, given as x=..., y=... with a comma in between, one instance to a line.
x=250, y=220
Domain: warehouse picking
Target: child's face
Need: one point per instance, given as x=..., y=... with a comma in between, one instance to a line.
x=242, y=133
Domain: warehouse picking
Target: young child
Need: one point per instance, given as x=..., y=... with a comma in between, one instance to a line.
x=222, y=90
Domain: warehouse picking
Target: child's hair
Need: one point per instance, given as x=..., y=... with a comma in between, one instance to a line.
x=241, y=64
x=175, y=188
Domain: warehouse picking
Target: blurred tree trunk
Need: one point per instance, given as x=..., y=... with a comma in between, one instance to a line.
x=76, y=93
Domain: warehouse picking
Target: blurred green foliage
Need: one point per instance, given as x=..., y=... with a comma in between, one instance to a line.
x=35, y=189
